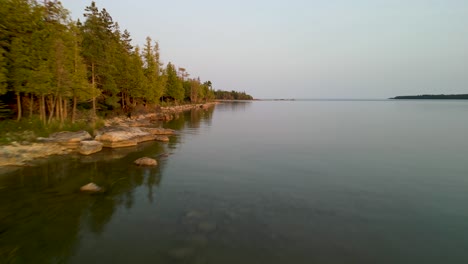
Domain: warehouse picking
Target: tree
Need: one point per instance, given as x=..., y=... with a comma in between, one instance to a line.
x=154, y=79
x=3, y=72
x=94, y=48
x=174, y=88
x=138, y=80
x=81, y=90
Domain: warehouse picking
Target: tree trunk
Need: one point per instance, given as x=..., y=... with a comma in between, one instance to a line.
x=42, y=107
x=93, y=82
x=18, y=101
x=31, y=104
x=74, y=109
x=51, y=104
x=57, y=107
x=65, y=109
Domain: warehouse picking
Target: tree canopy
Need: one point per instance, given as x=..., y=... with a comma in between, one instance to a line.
x=52, y=66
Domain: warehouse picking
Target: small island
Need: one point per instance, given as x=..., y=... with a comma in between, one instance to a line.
x=434, y=97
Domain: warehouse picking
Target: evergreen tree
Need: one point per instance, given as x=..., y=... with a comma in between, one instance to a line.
x=80, y=89
x=154, y=79
x=138, y=80
x=3, y=72
x=94, y=48
x=174, y=88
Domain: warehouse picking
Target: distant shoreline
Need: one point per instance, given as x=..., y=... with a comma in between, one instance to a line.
x=433, y=97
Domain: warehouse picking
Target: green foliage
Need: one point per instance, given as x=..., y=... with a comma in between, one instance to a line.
x=29, y=128
x=174, y=87
x=232, y=95
x=52, y=65
x=155, y=82
x=4, y=111
x=434, y=96
x=3, y=72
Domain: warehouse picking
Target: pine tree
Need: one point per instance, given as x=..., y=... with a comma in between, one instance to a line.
x=3, y=72
x=94, y=48
x=174, y=88
x=154, y=79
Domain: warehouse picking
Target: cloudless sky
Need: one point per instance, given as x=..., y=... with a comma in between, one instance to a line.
x=306, y=48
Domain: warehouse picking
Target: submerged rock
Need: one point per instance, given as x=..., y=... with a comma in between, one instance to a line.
x=161, y=138
x=145, y=161
x=89, y=147
x=182, y=253
x=158, y=131
x=91, y=187
x=194, y=214
x=207, y=227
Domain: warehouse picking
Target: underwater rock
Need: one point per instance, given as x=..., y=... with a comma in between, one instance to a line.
x=182, y=253
x=145, y=161
x=207, y=226
x=91, y=187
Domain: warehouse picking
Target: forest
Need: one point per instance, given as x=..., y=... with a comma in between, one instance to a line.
x=434, y=96
x=232, y=95
x=57, y=69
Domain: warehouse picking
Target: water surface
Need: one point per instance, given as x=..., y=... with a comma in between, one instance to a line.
x=257, y=182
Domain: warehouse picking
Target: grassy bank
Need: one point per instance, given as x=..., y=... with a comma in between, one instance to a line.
x=28, y=129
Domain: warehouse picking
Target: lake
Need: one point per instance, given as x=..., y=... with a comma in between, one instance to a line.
x=320, y=181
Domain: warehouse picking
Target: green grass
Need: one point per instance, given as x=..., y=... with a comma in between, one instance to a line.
x=28, y=129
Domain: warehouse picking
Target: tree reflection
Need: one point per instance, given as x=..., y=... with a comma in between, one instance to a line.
x=191, y=121
x=43, y=213
x=233, y=106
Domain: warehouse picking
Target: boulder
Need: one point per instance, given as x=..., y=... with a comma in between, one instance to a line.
x=69, y=139
x=145, y=161
x=207, y=227
x=144, y=138
x=89, y=147
x=116, y=137
x=121, y=137
x=158, y=131
x=91, y=187
x=161, y=138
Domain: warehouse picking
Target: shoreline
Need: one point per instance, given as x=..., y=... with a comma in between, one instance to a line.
x=118, y=132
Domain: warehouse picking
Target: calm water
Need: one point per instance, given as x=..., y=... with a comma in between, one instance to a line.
x=258, y=182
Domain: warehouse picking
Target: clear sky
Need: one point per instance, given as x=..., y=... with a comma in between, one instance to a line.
x=306, y=48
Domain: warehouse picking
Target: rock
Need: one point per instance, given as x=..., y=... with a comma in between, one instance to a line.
x=91, y=187
x=70, y=139
x=144, y=138
x=182, y=253
x=145, y=161
x=158, y=131
x=207, y=227
x=89, y=147
x=115, y=137
x=121, y=137
x=197, y=240
x=161, y=138
x=19, y=155
x=164, y=155
x=194, y=214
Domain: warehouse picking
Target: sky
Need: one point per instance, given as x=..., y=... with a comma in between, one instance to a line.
x=306, y=48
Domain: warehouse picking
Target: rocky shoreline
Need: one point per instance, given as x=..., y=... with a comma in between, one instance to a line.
x=118, y=132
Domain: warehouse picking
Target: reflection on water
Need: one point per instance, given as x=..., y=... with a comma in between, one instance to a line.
x=257, y=182
x=42, y=212
x=234, y=106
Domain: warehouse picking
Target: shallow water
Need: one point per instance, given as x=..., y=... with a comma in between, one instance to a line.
x=257, y=182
